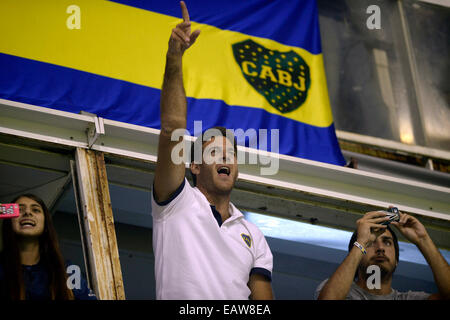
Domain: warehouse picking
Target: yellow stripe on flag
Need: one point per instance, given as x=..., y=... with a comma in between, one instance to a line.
x=129, y=44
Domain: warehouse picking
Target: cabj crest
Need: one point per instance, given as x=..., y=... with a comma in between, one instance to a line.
x=283, y=78
x=247, y=239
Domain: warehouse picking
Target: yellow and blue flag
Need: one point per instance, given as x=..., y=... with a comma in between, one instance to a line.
x=257, y=64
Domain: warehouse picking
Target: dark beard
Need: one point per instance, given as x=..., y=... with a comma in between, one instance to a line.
x=384, y=273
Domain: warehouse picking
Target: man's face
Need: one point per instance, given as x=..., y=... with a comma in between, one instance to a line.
x=218, y=171
x=382, y=253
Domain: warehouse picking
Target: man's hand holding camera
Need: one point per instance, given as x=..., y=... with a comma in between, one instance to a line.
x=411, y=229
x=369, y=227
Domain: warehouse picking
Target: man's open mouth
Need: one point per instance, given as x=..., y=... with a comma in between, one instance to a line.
x=223, y=170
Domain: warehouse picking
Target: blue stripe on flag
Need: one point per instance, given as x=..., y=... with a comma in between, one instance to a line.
x=293, y=23
x=72, y=90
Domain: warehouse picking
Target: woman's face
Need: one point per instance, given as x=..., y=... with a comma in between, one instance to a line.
x=31, y=221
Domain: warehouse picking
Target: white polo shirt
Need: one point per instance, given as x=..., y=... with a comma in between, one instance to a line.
x=196, y=257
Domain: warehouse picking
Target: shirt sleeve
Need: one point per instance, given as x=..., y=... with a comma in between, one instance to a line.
x=264, y=260
x=161, y=210
x=319, y=289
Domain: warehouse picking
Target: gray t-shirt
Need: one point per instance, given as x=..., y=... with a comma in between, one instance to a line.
x=357, y=293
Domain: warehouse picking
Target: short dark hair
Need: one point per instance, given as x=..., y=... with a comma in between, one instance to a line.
x=394, y=237
x=199, y=141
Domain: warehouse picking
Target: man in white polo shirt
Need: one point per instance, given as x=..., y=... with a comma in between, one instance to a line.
x=204, y=249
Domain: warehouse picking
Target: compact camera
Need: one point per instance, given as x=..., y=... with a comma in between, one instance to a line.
x=393, y=214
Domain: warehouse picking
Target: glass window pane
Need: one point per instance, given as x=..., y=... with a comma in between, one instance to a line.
x=370, y=72
x=430, y=38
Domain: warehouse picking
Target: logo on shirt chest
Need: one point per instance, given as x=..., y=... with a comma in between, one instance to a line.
x=247, y=239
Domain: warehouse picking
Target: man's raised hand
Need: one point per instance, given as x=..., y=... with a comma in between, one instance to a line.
x=369, y=227
x=181, y=37
x=411, y=228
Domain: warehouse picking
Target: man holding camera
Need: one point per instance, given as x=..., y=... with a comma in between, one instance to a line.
x=375, y=245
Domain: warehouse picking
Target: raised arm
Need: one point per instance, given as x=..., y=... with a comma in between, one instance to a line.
x=415, y=232
x=338, y=286
x=168, y=175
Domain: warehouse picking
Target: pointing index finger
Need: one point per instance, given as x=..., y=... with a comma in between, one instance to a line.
x=184, y=11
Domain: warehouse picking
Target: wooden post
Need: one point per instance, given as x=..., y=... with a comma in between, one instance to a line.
x=100, y=235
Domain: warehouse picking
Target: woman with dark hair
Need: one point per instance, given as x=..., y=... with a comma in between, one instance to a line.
x=31, y=264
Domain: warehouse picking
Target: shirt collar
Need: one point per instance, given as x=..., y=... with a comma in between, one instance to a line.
x=232, y=210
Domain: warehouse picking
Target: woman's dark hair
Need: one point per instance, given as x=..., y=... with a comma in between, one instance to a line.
x=199, y=142
x=50, y=257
